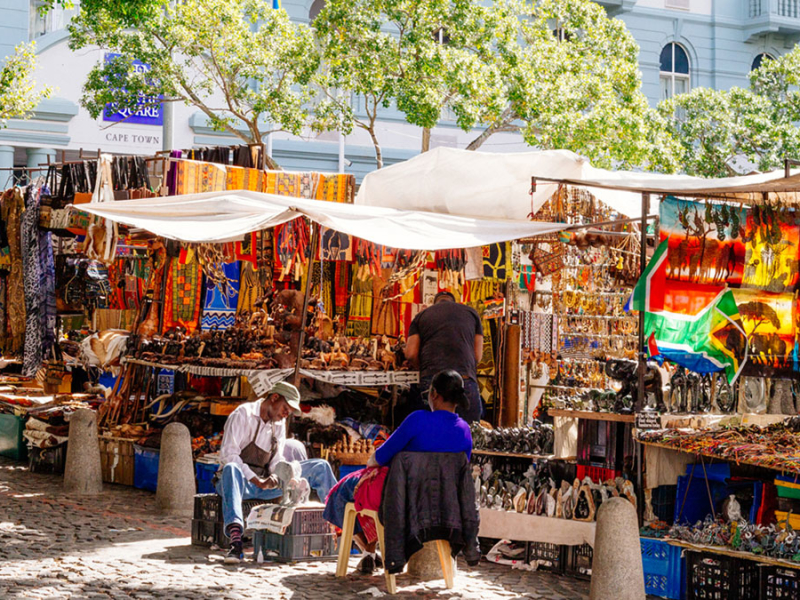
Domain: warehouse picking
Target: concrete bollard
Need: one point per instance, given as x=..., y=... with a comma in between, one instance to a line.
x=617, y=564
x=176, y=484
x=425, y=564
x=82, y=472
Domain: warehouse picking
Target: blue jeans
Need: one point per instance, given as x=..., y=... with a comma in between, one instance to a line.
x=234, y=487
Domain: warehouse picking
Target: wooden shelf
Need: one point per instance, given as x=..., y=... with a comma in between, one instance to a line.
x=738, y=461
x=778, y=562
x=514, y=454
x=591, y=416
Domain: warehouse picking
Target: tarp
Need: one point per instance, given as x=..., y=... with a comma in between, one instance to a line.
x=497, y=185
x=228, y=216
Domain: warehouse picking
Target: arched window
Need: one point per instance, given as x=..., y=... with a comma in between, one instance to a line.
x=674, y=71
x=759, y=60
x=315, y=9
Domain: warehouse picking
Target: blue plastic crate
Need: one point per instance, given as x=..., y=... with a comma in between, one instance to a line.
x=664, y=569
x=694, y=505
x=204, y=473
x=145, y=468
x=345, y=470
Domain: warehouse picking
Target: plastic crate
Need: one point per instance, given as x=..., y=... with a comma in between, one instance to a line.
x=717, y=577
x=579, y=562
x=204, y=473
x=207, y=533
x=787, y=486
x=596, y=474
x=664, y=569
x=12, y=444
x=285, y=548
x=345, y=470
x=145, y=468
x=208, y=507
x=663, y=502
x=309, y=521
x=694, y=505
x=551, y=557
x=778, y=583
x=47, y=460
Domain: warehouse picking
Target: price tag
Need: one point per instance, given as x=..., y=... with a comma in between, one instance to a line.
x=648, y=420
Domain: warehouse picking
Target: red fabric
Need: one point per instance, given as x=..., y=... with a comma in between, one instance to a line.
x=368, y=497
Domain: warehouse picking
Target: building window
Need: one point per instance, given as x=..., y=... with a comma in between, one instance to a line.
x=316, y=8
x=55, y=19
x=759, y=60
x=674, y=71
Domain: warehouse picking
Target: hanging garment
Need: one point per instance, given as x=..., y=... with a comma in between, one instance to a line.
x=12, y=215
x=497, y=261
x=32, y=278
x=182, y=298
x=194, y=177
x=219, y=309
x=249, y=289
x=358, y=321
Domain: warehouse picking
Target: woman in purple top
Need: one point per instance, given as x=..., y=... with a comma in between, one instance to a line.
x=437, y=430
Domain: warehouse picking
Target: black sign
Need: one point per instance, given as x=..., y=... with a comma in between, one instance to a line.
x=648, y=420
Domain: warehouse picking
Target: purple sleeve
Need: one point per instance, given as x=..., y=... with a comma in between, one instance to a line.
x=398, y=441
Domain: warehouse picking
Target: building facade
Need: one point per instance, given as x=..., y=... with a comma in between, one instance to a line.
x=683, y=44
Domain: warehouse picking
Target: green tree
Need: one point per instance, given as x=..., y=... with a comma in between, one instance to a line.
x=422, y=57
x=572, y=81
x=18, y=95
x=240, y=62
x=719, y=128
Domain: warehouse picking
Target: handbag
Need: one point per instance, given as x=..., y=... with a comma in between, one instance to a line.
x=548, y=262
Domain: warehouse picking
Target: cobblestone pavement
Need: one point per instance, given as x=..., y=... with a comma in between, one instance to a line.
x=116, y=545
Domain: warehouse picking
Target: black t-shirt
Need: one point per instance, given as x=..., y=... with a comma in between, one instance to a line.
x=447, y=333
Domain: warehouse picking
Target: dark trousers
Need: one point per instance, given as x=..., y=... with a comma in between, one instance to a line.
x=418, y=399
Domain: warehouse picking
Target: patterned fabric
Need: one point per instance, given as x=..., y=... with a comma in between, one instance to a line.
x=249, y=289
x=241, y=178
x=47, y=287
x=219, y=310
x=335, y=245
x=183, y=295
x=539, y=331
x=497, y=261
x=32, y=279
x=358, y=321
x=3, y=312
x=12, y=215
x=246, y=250
x=194, y=177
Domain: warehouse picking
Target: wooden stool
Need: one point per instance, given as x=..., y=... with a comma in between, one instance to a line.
x=346, y=542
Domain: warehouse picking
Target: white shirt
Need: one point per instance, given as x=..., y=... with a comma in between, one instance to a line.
x=245, y=425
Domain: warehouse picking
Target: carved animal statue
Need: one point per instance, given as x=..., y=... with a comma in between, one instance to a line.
x=625, y=371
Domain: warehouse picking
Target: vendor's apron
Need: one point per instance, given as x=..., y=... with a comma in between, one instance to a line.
x=256, y=458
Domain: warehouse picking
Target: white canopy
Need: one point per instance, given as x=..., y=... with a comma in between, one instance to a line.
x=494, y=185
x=228, y=216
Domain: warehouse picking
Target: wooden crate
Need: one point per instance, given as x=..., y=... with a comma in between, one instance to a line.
x=116, y=459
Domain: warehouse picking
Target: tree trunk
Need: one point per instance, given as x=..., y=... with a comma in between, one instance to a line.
x=505, y=123
x=478, y=141
x=426, y=139
x=377, y=145
x=256, y=135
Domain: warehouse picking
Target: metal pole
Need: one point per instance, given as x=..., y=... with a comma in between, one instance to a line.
x=167, y=126
x=341, y=152
x=306, y=298
x=642, y=362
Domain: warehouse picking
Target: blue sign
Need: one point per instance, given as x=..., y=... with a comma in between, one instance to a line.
x=150, y=113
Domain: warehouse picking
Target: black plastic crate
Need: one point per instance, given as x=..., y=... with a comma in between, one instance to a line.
x=208, y=533
x=308, y=521
x=663, y=502
x=550, y=557
x=47, y=460
x=717, y=577
x=779, y=583
x=208, y=507
x=286, y=548
x=579, y=561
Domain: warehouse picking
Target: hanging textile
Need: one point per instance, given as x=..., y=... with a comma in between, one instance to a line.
x=12, y=215
x=497, y=261
x=32, y=278
x=358, y=321
x=240, y=178
x=335, y=245
x=773, y=247
x=341, y=288
x=249, y=289
x=247, y=250
x=384, y=312
x=194, y=177
x=705, y=241
x=183, y=295
x=219, y=309
x=47, y=284
x=265, y=253
x=337, y=188
x=3, y=313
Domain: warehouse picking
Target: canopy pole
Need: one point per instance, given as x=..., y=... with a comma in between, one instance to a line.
x=640, y=396
x=304, y=317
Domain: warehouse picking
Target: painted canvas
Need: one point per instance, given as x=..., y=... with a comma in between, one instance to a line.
x=705, y=241
x=772, y=241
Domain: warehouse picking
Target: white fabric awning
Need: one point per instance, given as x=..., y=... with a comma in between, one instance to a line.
x=228, y=216
x=495, y=185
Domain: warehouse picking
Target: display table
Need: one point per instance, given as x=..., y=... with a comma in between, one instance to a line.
x=778, y=562
x=520, y=527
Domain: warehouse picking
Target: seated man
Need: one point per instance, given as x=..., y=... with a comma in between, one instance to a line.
x=253, y=443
